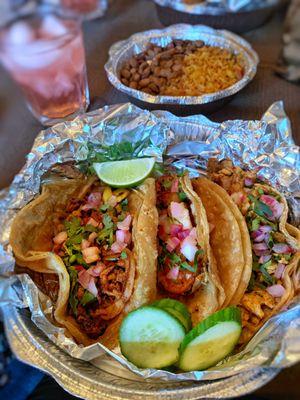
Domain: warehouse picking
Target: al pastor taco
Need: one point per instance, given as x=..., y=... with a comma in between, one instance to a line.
x=275, y=245
x=100, y=243
x=186, y=266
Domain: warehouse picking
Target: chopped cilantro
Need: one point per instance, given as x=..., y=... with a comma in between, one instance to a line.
x=72, y=259
x=167, y=184
x=187, y=266
x=107, y=221
x=174, y=258
x=124, y=204
x=73, y=226
x=90, y=228
x=87, y=298
x=77, y=239
x=255, y=223
x=260, y=191
x=266, y=276
x=182, y=196
x=104, y=207
x=251, y=198
x=123, y=255
x=262, y=209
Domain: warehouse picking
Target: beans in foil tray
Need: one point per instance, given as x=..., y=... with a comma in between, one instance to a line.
x=183, y=68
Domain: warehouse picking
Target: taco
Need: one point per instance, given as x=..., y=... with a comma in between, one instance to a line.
x=275, y=244
x=100, y=243
x=229, y=239
x=186, y=266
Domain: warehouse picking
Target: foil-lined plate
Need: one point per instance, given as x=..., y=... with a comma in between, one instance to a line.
x=181, y=105
x=84, y=380
x=95, y=372
x=235, y=15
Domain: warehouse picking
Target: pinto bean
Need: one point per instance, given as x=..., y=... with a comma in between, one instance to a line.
x=125, y=73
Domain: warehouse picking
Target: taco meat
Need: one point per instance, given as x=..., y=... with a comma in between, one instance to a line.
x=93, y=238
x=180, y=255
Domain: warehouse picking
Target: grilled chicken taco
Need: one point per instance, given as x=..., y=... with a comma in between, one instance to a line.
x=186, y=266
x=229, y=239
x=100, y=243
x=275, y=245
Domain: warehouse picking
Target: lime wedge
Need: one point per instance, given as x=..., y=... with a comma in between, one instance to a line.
x=126, y=173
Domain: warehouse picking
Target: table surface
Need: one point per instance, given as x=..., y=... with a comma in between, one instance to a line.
x=18, y=128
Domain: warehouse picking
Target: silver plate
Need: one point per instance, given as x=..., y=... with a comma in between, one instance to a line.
x=86, y=381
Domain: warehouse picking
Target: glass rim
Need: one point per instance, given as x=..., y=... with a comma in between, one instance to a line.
x=39, y=10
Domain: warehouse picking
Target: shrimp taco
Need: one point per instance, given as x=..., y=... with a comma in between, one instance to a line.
x=101, y=245
x=186, y=266
x=275, y=244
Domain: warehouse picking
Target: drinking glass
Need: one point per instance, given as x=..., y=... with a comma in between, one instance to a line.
x=44, y=53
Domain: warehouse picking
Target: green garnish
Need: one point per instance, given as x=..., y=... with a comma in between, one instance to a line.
x=107, y=221
x=198, y=254
x=262, y=209
x=167, y=184
x=90, y=228
x=255, y=223
x=87, y=298
x=77, y=239
x=123, y=255
x=72, y=259
x=187, y=266
x=260, y=191
x=182, y=196
x=266, y=276
x=104, y=207
x=124, y=204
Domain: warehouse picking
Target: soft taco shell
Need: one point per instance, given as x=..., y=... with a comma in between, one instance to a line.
x=31, y=240
x=209, y=295
x=229, y=239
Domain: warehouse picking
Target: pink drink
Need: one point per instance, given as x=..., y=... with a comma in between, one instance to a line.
x=81, y=6
x=45, y=55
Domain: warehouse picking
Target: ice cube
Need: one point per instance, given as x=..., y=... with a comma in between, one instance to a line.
x=20, y=33
x=36, y=55
x=52, y=26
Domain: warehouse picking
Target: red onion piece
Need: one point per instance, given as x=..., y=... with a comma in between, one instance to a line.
x=175, y=186
x=276, y=290
x=125, y=224
x=282, y=248
x=275, y=206
x=175, y=229
x=279, y=270
x=172, y=243
x=264, y=259
x=173, y=273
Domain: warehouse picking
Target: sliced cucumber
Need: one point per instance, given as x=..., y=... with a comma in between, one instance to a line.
x=211, y=340
x=150, y=338
x=177, y=309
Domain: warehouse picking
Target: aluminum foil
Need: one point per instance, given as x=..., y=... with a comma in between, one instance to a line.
x=217, y=7
x=124, y=50
x=185, y=142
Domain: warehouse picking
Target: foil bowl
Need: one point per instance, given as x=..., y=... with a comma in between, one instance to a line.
x=241, y=20
x=181, y=105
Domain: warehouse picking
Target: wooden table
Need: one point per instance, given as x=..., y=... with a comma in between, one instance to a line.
x=19, y=128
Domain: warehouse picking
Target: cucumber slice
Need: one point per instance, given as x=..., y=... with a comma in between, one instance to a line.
x=211, y=340
x=150, y=338
x=177, y=310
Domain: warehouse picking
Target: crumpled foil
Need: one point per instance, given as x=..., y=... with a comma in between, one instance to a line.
x=122, y=51
x=217, y=7
x=187, y=143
